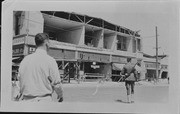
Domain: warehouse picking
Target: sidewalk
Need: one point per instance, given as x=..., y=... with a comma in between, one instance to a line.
x=161, y=82
x=74, y=83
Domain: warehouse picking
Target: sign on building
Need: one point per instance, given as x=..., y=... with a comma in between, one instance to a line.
x=18, y=50
x=31, y=50
x=95, y=66
x=18, y=41
x=94, y=57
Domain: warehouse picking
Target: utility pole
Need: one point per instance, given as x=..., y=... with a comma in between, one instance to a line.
x=157, y=74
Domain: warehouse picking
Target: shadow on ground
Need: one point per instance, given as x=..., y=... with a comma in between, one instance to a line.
x=121, y=101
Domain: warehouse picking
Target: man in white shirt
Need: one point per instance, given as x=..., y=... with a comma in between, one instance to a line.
x=39, y=75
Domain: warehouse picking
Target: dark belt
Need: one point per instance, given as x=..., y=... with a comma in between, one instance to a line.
x=31, y=97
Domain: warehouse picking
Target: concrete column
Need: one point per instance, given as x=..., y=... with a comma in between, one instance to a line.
x=82, y=36
x=110, y=41
x=98, y=38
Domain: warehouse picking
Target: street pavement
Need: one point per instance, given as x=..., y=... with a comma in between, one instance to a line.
x=145, y=92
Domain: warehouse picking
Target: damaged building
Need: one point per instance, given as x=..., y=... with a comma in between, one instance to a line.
x=81, y=44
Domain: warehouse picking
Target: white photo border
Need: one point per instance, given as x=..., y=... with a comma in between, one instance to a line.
x=44, y=5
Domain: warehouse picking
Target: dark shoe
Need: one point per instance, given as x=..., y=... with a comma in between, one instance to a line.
x=128, y=102
x=61, y=99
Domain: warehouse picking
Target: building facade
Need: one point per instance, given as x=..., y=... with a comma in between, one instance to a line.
x=78, y=42
x=150, y=66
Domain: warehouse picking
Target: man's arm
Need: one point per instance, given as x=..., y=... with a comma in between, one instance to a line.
x=55, y=80
x=135, y=74
x=122, y=71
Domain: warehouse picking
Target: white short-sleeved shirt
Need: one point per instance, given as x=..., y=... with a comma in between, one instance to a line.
x=34, y=71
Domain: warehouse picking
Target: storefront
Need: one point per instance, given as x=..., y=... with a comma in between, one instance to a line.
x=151, y=70
x=17, y=54
x=118, y=63
x=164, y=71
x=94, y=64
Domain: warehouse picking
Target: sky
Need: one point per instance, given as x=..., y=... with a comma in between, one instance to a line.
x=143, y=16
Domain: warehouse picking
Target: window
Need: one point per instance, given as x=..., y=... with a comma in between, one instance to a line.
x=138, y=44
x=18, y=22
x=122, y=43
x=134, y=46
x=52, y=35
x=122, y=30
x=89, y=38
x=88, y=41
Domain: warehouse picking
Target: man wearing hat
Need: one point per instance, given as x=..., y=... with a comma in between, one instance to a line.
x=39, y=75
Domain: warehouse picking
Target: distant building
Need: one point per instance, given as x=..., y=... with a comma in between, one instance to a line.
x=78, y=42
x=150, y=66
x=164, y=67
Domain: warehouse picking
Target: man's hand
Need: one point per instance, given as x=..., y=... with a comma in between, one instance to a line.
x=59, y=91
x=57, y=88
x=137, y=80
